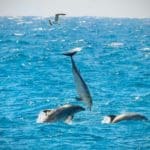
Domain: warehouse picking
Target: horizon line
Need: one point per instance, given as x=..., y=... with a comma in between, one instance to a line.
x=78, y=16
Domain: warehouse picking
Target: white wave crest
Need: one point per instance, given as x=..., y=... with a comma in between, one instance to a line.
x=145, y=49
x=116, y=44
x=18, y=34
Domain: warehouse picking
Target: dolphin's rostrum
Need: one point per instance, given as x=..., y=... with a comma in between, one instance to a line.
x=81, y=86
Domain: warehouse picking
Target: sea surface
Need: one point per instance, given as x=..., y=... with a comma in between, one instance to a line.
x=114, y=62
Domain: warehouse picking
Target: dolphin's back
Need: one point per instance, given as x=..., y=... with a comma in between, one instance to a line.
x=59, y=114
x=129, y=116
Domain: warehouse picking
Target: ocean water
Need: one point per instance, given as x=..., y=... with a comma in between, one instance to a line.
x=114, y=62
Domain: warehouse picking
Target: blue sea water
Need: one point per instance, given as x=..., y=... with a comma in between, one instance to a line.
x=114, y=62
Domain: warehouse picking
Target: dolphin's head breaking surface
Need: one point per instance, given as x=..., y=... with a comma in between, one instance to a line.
x=43, y=116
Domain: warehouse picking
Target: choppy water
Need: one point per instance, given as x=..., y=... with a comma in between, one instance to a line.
x=34, y=76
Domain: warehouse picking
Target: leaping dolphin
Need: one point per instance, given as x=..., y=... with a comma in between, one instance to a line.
x=122, y=117
x=64, y=113
x=82, y=88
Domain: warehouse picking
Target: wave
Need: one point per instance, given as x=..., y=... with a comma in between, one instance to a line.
x=116, y=44
x=24, y=22
x=38, y=29
x=18, y=34
x=145, y=49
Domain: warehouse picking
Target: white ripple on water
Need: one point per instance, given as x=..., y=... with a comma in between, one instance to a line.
x=79, y=41
x=24, y=22
x=38, y=29
x=11, y=18
x=116, y=44
x=145, y=49
x=76, y=28
x=18, y=34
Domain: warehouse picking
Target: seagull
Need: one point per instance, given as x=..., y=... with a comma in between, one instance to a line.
x=56, y=18
x=50, y=22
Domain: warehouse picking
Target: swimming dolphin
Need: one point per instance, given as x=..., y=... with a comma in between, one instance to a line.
x=56, y=18
x=82, y=88
x=122, y=117
x=64, y=113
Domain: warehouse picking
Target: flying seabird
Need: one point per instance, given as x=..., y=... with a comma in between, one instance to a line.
x=56, y=18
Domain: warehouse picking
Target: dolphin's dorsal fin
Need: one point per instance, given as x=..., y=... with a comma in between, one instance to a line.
x=69, y=119
x=78, y=98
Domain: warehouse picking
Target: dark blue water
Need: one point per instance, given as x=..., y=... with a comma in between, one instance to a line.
x=115, y=63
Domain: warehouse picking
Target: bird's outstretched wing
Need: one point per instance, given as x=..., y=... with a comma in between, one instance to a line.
x=57, y=16
x=50, y=22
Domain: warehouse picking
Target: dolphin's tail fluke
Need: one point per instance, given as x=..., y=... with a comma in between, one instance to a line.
x=72, y=51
